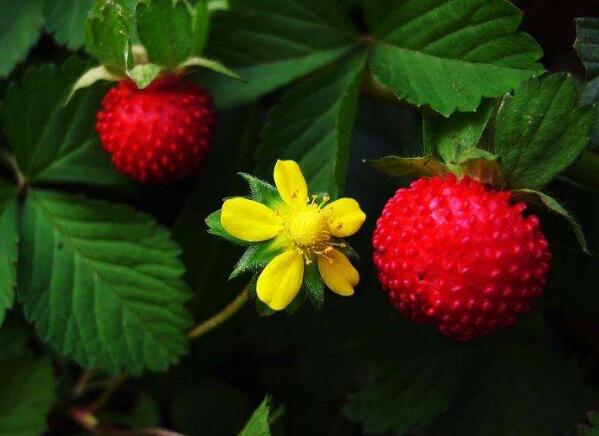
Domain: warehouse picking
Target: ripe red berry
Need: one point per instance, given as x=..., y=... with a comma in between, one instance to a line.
x=157, y=134
x=460, y=255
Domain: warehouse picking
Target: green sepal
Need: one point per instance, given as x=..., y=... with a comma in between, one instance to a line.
x=478, y=164
x=107, y=36
x=349, y=251
x=172, y=31
x=409, y=166
x=144, y=75
x=216, y=228
x=259, y=423
x=555, y=207
x=91, y=76
x=256, y=257
x=313, y=285
x=211, y=65
x=263, y=192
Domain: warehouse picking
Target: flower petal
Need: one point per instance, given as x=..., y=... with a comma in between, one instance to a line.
x=281, y=280
x=338, y=273
x=249, y=220
x=346, y=217
x=291, y=183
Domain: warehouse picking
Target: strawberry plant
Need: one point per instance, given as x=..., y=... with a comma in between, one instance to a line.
x=298, y=217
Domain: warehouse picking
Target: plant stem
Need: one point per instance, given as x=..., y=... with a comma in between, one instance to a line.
x=231, y=309
x=10, y=160
x=114, y=384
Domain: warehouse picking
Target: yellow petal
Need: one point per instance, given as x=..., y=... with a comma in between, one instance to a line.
x=338, y=273
x=249, y=220
x=346, y=217
x=291, y=183
x=281, y=280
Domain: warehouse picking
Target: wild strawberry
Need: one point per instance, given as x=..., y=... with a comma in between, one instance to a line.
x=460, y=255
x=157, y=134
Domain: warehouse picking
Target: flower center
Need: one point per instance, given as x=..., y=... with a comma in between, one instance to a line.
x=308, y=227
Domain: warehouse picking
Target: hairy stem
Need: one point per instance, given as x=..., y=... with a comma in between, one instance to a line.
x=231, y=309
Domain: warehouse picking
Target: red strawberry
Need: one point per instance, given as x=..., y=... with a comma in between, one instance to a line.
x=157, y=134
x=459, y=255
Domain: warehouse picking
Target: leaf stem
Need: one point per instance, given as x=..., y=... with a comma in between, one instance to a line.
x=231, y=309
x=83, y=382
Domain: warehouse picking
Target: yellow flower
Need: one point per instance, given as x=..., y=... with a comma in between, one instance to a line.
x=303, y=230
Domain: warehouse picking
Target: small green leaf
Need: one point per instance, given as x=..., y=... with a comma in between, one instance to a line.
x=216, y=228
x=168, y=29
x=21, y=24
x=407, y=166
x=587, y=44
x=108, y=37
x=554, y=206
x=263, y=192
x=200, y=26
x=64, y=19
x=314, y=285
x=480, y=165
x=144, y=75
x=259, y=425
x=26, y=397
x=541, y=131
x=410, y=392
x=312, y=125
x=102, y=283
x=54, y=143
x=256, y=257
x=450, y=53
x=271, y=43
x=210, y=64
x=449, y=137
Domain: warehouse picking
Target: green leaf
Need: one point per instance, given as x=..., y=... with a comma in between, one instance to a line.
x=215, y=228
x=450, y=53
x=587, y=44
x=26, y=397
x=64, y=19
x=449, y=137
x=102, y=283
x=20, y=27
x=590, y=96
x=258, y=425
x=406, y=166
x=554, y=206
x=107, y=36
x=313, y=284
x=9, y=241
x=541, y=130
x=521, y=390
x=54, y=143
x=410, y=392
x=144, y=75
x=168, y=29
x=212, y=65
x=271, y=43
x=312, y=125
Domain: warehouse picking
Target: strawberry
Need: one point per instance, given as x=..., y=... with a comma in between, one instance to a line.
x=460, y=255
x=157, y=134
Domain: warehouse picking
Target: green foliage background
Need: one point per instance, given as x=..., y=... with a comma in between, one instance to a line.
x=100, y=276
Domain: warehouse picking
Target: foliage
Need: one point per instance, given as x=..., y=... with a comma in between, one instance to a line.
x=102, y=278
